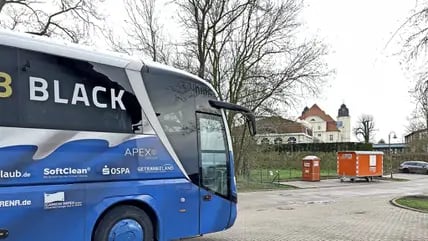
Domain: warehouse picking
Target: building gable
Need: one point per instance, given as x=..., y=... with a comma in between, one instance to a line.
x=315, y=111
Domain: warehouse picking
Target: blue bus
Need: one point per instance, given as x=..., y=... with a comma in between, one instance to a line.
x=104, y=147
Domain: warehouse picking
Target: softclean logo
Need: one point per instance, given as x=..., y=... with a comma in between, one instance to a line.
x=66, y=172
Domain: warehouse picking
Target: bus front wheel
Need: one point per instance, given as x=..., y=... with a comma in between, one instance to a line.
x=124, y=223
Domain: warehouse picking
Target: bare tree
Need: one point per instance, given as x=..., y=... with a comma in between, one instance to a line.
x=416, y=38
x=250, y=53
x=247, y=49
x=420, y=95
x=415, y=122
x=205, y=21
x=415, y=32
x=68, y=19
x=365, y=128
x=143, y=32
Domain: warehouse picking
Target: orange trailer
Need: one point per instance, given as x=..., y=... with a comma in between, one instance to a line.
x=359, y=164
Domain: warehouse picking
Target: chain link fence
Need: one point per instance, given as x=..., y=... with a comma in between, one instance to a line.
x=272, y=166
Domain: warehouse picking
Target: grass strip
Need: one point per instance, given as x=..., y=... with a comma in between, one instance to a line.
x=416, y=202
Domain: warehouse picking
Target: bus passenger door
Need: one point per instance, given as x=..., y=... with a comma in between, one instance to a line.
x=215, y=207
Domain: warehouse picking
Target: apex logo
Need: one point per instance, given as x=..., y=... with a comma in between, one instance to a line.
x=141, y=152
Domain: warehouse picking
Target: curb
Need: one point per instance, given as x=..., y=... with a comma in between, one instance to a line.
x=394, y=203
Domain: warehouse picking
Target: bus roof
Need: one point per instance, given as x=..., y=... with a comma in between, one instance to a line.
x=61, y=48
x=77, y=51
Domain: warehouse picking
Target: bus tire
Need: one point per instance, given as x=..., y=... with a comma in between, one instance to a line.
x=124, y=223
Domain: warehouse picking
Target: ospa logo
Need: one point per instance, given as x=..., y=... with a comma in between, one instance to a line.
x=107, y=171
x=66, y=172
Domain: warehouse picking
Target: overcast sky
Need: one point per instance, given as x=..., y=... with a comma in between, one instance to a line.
x=369, y=78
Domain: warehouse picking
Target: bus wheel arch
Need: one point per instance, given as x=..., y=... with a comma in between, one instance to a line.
x=137, y=211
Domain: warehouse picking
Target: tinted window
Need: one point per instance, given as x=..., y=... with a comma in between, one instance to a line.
x=175, y=99
x=8, y=86
x=213, y=153
x=59, y=93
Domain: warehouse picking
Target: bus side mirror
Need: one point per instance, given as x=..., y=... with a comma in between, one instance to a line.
x=249, y=115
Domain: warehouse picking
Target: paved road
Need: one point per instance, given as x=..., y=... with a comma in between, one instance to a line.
x=330, y=210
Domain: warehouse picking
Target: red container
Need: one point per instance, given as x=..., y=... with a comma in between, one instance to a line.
x=311, y=168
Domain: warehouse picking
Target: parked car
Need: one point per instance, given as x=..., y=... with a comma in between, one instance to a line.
x=414, y=167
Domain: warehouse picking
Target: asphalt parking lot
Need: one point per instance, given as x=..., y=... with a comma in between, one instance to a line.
x=330, y=210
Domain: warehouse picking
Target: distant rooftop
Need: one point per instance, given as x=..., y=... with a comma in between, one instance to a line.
x=315, y=110
x=386, y=145
x=276, y=124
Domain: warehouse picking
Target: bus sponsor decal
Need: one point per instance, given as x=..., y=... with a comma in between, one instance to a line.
x=146, y=153
x=5, y=85
x=65, y=172
x=39, y=92
x=58, y=200
x=13, y=174
x=14, y=203
x=153, y=169
x=112, y=171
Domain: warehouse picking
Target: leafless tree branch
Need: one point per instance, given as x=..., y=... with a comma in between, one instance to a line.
x=143, y=31
x=35, y=19
x=365, y=128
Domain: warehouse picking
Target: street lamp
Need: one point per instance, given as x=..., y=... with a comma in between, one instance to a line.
x=389, y=149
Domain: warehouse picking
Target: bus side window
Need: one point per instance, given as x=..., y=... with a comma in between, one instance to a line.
x=143, y=126
x=173, y=100
x=213, y=153
x=10, y=94
x=69, y=94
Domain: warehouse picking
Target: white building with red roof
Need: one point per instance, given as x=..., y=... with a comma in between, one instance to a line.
x=277, y=130
x=324, y=127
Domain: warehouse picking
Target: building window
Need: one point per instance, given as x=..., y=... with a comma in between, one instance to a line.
x=319, y=135
x=265, y=141
x=278, y=140
x=292, y=139
x=331, y=137
x=312, y=119
x=319, y=127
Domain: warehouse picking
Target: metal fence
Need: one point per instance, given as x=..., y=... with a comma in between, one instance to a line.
x=273, y=166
